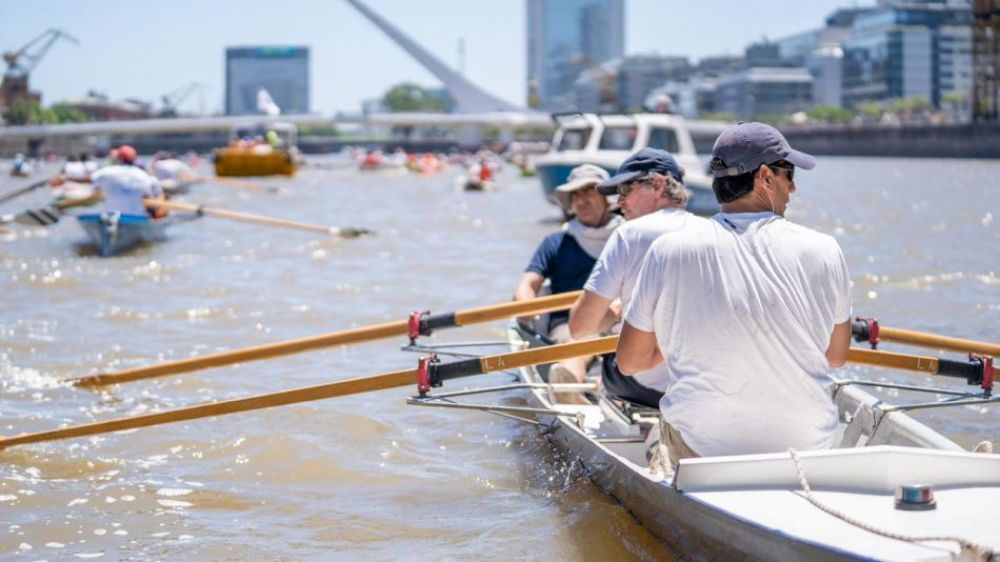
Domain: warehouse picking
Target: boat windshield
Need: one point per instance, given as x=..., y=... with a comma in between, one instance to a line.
x=618, y=138
x=664, y=138
x=574, y=139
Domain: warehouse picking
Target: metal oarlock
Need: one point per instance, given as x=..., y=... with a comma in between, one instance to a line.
x=417, y=326
x=425, y=374
x=866, y=329
x=986, y=379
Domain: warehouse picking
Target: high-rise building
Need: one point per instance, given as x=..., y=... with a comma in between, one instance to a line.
x=914, y=49
x=986, y=59
x=565, y=38
x=763, y=92
x=282, y=71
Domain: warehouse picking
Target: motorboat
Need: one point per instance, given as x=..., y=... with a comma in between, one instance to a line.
x=606, y=140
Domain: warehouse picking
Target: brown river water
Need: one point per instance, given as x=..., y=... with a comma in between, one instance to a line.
x=368, y=477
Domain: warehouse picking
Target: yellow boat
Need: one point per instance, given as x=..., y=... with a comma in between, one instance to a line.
x=258, y=150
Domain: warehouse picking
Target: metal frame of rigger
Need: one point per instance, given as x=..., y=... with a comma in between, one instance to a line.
x=612, y=458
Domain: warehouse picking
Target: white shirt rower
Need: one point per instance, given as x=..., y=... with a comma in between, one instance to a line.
x=125, y=185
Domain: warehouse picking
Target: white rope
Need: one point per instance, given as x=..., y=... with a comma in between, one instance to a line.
x=971, y=550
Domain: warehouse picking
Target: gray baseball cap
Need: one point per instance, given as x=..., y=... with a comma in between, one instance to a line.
x=745, y=146
x=645, y=161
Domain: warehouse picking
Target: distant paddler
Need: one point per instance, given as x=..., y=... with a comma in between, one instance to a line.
x=124, y=185
x=173, y=174
x=20, y=168
x=72, y=187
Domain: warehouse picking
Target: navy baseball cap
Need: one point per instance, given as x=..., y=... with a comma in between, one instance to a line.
x=648, y=160
x=745, y=146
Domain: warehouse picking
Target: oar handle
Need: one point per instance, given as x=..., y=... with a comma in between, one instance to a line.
x=869, y=330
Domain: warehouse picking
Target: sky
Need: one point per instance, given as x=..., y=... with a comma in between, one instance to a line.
x=147, y=48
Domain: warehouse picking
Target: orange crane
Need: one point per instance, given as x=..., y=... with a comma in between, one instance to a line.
x=21, y=62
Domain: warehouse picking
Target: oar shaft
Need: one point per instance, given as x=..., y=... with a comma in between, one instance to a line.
x=244, y=217
x=294, y=396
x=21, y=191
x=357, y=335
x=231, y=182
x=541, y=305
x=938, y=342
x=893, y=360
x=266, y=351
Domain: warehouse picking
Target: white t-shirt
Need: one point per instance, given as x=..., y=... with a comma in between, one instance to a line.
x=75, y=171
x=616, y=269
x=124, y=188
x=743, y=307
x=170, y=169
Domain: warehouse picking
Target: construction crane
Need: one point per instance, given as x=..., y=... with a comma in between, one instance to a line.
x=172, y=100
x=21, y=62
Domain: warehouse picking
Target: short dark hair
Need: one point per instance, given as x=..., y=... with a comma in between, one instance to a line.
x=731, y=188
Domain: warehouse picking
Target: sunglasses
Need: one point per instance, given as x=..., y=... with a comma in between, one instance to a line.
x=626, y=187
x=783, y=165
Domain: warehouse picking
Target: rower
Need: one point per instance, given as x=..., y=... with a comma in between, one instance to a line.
x=748, y=312
x=652, y=196
x=171, y=171
x=75, y=170
x=566, y=258
x=124, y=185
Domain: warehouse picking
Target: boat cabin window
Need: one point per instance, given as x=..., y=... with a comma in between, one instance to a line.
x=574, y=139
x=618, y=138
x=665, y=139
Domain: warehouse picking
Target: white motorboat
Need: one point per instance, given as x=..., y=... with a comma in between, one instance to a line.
x=606, y=140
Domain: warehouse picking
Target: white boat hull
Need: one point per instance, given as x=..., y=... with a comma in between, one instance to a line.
x=750, y=507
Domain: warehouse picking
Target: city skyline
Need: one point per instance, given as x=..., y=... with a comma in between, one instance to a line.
x=152, y=50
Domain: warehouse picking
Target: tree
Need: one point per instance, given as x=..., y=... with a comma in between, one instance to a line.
x=831, y=114
x=28, y=112
x=411, y=97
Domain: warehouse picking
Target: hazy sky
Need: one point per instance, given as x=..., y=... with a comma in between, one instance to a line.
x=144, y=48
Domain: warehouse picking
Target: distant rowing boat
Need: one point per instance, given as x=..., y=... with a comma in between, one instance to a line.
x=115, y=233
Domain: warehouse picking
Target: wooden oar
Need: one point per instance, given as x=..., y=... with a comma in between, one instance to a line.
x=344, y=232
x=869, y=330
x=423, y=326
x=26, y=189
x=241, y=184
x=392, y=379
x=438, y=373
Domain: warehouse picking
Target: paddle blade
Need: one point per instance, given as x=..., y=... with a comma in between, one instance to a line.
x=46, y=216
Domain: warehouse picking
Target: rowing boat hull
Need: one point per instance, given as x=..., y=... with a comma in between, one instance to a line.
x=246, y=162
x=758, y=514
x=115, y=235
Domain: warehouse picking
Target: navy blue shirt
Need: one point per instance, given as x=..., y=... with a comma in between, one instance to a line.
x=564, y=263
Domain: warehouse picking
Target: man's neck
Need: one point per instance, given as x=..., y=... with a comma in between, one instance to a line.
x=749, y=203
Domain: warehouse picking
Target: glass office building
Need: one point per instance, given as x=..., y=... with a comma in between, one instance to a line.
x=565, y=38
x=909, y=50
x=282, y=71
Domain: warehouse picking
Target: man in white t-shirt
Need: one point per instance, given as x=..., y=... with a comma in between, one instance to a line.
x=124, y=185
x=748, y=311
x=652, y=197
x=172, y=173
